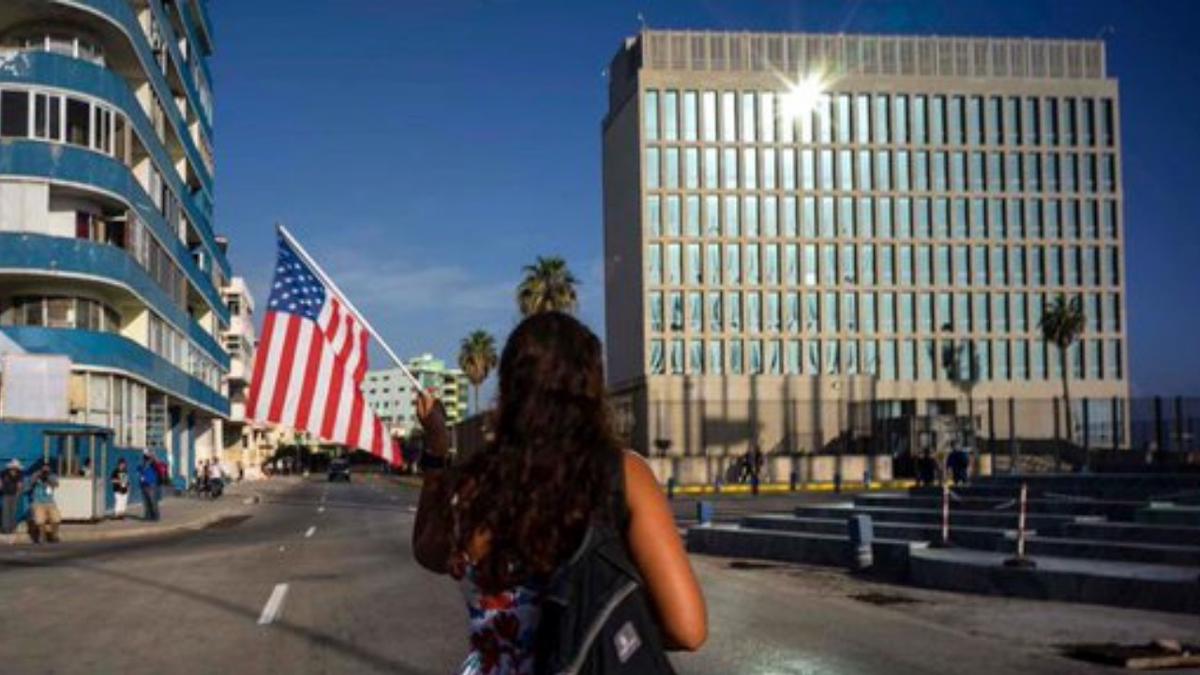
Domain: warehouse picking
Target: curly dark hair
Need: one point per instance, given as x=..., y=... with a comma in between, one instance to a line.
x=546, y=473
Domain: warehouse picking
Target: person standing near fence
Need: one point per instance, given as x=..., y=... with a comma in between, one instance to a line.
x=120, y=488
x=148, y=480
x=10, y=489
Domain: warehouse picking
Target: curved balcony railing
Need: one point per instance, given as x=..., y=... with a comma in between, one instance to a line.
x=105, y=350
x=119, y=13
x=39, y=252
x=63, y=72
x=66, y=163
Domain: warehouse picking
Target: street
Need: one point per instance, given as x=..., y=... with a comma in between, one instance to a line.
x=354, y=602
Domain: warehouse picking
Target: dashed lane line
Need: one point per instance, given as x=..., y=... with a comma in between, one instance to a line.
x=274, y=605
x=311, y=530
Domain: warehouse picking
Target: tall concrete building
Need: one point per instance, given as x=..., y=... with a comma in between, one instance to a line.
x=389, y=393
x=810, y=236
x=111, y=314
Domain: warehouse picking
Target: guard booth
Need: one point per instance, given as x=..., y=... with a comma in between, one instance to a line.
x=80, y=459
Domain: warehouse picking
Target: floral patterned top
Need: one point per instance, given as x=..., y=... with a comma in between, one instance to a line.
x=502, y=628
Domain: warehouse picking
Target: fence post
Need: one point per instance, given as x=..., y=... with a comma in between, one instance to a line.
x=1012, y=435
x=1057, y=438
x=1087, y=436
x=1117, y=427
x=1158, y=429
x=1179, y=424
x=992, y=431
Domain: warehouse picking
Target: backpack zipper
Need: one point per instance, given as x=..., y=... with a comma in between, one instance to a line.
x=597, y=624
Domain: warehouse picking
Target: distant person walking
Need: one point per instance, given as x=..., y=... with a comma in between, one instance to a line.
x=957, y=464
x=10, y=489
x=46, y=518
x=120, y=487
x=148, y=480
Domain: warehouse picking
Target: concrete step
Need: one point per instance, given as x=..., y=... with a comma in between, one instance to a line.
x=1170, y=588
x=958, y=517
x=1111, y=509
x=1170, y=514
x=986, y=538
x=733, y=541
x=1134, y=532
x=1100, y=549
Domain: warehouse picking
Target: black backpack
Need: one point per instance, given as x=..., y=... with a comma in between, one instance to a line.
x=596, y=616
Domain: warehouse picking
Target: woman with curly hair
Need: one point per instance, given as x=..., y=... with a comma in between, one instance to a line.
x=505, y=520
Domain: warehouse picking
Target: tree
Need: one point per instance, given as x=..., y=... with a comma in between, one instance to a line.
x=961, y=364
x=477, y=358
x=548, y=286
x=1062, y=323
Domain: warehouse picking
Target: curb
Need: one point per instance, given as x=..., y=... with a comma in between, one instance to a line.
x=195, y=524
x=784, y=488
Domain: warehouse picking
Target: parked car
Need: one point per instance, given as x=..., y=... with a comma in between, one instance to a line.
x=339, y=469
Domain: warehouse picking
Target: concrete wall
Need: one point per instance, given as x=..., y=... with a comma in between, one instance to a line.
x=776, y=468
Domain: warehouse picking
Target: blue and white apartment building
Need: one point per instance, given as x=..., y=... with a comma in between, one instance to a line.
x=111, y=276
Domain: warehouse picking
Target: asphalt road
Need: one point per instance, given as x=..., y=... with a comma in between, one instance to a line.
x=355, y=602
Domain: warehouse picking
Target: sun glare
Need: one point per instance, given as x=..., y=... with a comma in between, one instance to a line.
x=803, y=97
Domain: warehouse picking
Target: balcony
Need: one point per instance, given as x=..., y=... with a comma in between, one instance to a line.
x=55, y=70
x=68, y=164
x=46, y=255
x=105, y=350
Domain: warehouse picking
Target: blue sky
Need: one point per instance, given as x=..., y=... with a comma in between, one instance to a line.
x=425, y=151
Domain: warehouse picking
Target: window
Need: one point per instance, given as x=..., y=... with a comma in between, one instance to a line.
x=78, y=122
x=653, y=174
x=670, y=116
x=728, y=116
x=748, y=117
x=918, y=119
x=14, y=114
x=689, y=116
x=709, y=103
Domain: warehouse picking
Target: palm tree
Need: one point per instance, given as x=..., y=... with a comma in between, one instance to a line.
x=1062, y=323
x=477, y=358
x=548, y=286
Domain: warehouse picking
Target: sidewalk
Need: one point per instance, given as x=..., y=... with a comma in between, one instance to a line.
x=179, y=514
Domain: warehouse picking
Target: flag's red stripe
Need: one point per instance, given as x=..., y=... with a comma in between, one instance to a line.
x=361, y=371
x=285, y=367
x=356, y=421
x=260, y=365
x=331, y=401
x=311, y=374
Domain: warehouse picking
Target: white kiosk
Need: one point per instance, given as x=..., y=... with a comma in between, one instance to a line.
x=80, y=459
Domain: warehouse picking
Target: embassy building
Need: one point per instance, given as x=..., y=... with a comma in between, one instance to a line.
x=809, y=238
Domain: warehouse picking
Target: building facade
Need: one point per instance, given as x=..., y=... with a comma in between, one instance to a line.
x=245, y=444
x=808, y=234
x=111, y=312
x=390, y=394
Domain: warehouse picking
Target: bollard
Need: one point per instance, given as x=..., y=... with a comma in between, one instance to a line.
x=862, y=533
x=945, y=539
x=1020, y=560
x=867, y=478
x=671, y=488
x=793, y=481
x=717, y=485
x=754, y=484
x=837, y=481
x=704, y=512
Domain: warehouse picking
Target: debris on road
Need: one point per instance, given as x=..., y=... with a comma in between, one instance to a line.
x=1157, y=655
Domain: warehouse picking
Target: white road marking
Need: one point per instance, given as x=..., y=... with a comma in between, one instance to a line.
x=274, y=605
x=310, y=531
x=412, y=509
x=320, y=509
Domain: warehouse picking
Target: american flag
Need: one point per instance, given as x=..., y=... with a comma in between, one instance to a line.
x=310, y=364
